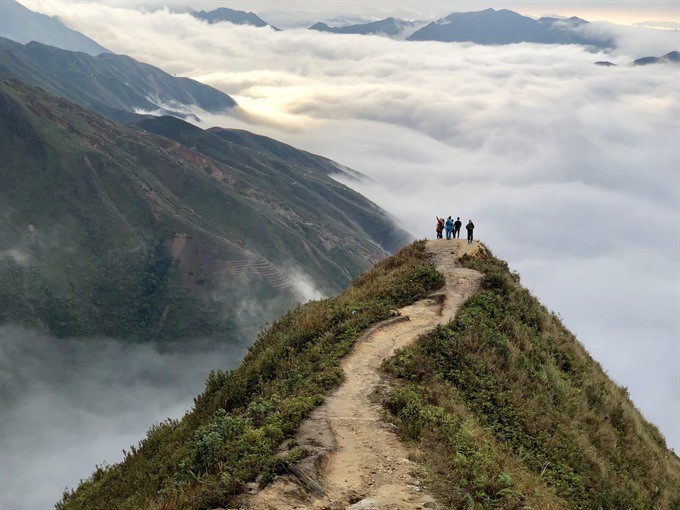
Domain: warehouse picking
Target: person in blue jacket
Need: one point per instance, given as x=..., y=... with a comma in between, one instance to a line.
x=449, y=227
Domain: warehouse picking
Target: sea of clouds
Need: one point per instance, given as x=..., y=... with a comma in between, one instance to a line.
x=569, y=170
x=71, y=404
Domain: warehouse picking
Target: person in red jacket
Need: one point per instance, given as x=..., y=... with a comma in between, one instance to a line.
x=440, y=227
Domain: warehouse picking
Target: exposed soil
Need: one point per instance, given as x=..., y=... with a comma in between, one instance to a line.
x=358, y=460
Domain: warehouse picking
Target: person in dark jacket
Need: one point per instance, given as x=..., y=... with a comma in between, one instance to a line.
x=470, y=227
x=456, y=228
x=440, y=226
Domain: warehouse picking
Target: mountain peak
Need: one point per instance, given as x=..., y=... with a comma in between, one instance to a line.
x=672, y=57
x=225, y=14
x=114, y=85
x=503, y=26
x=469, y=368
x=23, y=25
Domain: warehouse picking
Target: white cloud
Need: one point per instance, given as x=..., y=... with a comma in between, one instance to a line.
x=68, y=405
x=635, y=41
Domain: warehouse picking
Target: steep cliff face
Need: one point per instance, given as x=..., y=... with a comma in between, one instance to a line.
x=497, y=404
x=111, y=230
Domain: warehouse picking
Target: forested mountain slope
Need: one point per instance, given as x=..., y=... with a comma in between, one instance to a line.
x=111, y=230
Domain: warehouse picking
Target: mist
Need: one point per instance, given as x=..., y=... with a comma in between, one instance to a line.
x=71, y=404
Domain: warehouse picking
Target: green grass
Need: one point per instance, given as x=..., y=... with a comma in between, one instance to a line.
x=232, y=434
x=513, y=413
x=92, y=209
x=507, y=407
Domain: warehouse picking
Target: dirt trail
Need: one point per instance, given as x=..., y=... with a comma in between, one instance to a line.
x=358, y=459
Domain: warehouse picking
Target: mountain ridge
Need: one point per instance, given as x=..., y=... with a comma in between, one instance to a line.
x=391, y=27
x=24, y=25
x=672, y=57
x=488, y=27
x=116, y=86
x=504, y=27
x=499, y=407
x=112, y=230
x=236, y=17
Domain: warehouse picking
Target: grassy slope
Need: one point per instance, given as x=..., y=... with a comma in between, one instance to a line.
x=232, y=434
x=280, y=170
x=89, y=210
x=513, y=413
x=84, y=248
x=511, y=410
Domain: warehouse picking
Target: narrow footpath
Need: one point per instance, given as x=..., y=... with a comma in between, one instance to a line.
x=358, y=460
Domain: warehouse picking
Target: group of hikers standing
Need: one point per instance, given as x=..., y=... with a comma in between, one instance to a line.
x=453, y=228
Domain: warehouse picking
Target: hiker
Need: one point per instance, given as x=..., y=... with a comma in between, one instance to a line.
x=470, y=227
x=449, y=227
x=456, y=228
x=440, y=226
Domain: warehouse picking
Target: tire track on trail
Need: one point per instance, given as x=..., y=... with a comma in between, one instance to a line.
x=357, y=458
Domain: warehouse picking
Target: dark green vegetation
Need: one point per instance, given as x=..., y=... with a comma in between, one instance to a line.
x=112, y=85
x=232, y=434
x=513, y=413
x=111, y=230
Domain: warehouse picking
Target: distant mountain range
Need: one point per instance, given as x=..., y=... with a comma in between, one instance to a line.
x=505, y=27
x=24, y=25
x=116, y=86
x=669, y=58
x=114, y=230
x=391, y=27
x=224, y=14
x=483, y=27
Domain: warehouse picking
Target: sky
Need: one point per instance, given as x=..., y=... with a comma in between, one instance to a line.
x=570, y=171
x=300, y=12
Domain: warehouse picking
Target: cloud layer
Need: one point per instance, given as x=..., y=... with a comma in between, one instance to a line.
x=68, y=405
x=569, y=170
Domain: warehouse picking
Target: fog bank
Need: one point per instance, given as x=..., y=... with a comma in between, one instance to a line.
x=68, y=405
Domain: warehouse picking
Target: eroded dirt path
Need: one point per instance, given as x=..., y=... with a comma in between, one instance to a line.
x=358, y=459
